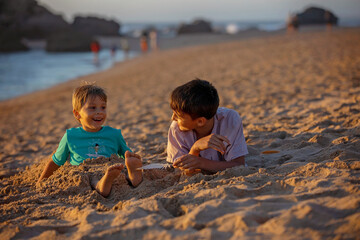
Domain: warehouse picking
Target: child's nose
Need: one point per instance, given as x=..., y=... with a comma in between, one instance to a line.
x=100, y=110
x=173, y=117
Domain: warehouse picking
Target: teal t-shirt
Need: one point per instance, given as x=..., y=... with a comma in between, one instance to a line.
x=81, y=145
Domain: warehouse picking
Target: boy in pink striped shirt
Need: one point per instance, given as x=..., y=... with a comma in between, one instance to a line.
x=202, y=135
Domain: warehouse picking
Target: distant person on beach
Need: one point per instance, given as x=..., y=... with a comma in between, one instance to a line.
x=327, y=17
x=95, y=48
x=153, y=40
x=292, y=23
x=93, y=140
x=125, y=47
x=144, y=42
x=203, y=137
x=113, y=51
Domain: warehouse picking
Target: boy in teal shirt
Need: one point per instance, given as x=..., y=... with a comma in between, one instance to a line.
x=79, y=144
x=93, y=140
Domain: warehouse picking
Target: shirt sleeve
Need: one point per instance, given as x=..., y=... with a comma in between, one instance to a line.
x=122, y=145
x=62, y=152
x=176, y=146
x=237, y=147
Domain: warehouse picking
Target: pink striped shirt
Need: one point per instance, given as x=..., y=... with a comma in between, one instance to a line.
x=227, y=123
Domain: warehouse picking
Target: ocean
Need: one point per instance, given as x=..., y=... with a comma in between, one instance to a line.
x=168, y=29
x=25, y=72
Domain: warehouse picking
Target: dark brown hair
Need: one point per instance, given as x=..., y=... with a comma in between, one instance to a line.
x=198, y=98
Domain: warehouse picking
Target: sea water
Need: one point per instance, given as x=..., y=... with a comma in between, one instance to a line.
x=25, y=72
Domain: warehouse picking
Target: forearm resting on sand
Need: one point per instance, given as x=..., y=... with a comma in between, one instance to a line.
x=192, y=162
x=214, y=166
x=49, y=169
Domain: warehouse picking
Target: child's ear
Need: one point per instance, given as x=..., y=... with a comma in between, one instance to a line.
x=201, y=121
x=76, y=114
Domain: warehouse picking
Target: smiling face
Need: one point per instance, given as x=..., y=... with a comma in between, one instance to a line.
x=92, y=115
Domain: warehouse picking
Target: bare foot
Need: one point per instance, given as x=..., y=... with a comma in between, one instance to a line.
x=105, y=183
x=132, y=162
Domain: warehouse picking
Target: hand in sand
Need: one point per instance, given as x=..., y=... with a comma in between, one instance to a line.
x=133, y=162
x=105, y=183
x=213, y=141
x=189, y=161
x=190, y=164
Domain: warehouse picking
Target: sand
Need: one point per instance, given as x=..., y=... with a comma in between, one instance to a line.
x=299, y=99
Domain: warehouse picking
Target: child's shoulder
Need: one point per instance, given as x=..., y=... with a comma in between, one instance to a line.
x=227, y=113
x=73, y=130
x=110, y=130
x=228, y=116
x=174, y=128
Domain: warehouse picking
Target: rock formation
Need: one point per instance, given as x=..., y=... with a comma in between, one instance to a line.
x=27, y=19
x=315, y=15
x=69, y=41
x=10, y=41
x=198, y=26
x=96, y=26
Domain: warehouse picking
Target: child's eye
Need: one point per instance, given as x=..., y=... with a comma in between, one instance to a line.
x=103, y=108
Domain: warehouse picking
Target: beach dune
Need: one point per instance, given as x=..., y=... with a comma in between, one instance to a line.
x=299, y=98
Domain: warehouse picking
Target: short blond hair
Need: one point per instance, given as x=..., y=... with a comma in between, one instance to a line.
x=81, y=95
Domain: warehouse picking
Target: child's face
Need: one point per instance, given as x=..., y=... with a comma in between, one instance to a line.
x=92, y=115
x=184, y=121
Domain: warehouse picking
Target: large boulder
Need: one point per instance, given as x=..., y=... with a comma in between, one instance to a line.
x=29, y=20
x=43, y=25
x=198, y=26
x=315, y=15
x=69, y=41
x=11, y=42
x=96, y=26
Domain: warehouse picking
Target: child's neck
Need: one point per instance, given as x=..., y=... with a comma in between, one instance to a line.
x=91, y=130
x=206, y=129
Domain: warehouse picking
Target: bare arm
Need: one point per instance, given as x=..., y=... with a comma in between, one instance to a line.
x=49, y=169
x=215, y=166
x=213, y=141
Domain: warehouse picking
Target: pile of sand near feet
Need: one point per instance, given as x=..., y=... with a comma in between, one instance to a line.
x=299, y=97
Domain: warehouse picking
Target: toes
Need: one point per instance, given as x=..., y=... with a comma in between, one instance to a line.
x=127, y=154
x=116, y=167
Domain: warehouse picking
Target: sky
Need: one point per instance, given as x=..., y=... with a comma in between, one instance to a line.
x=186, y=10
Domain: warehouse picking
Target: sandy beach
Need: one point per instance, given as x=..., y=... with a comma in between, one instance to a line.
x=299, y=98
